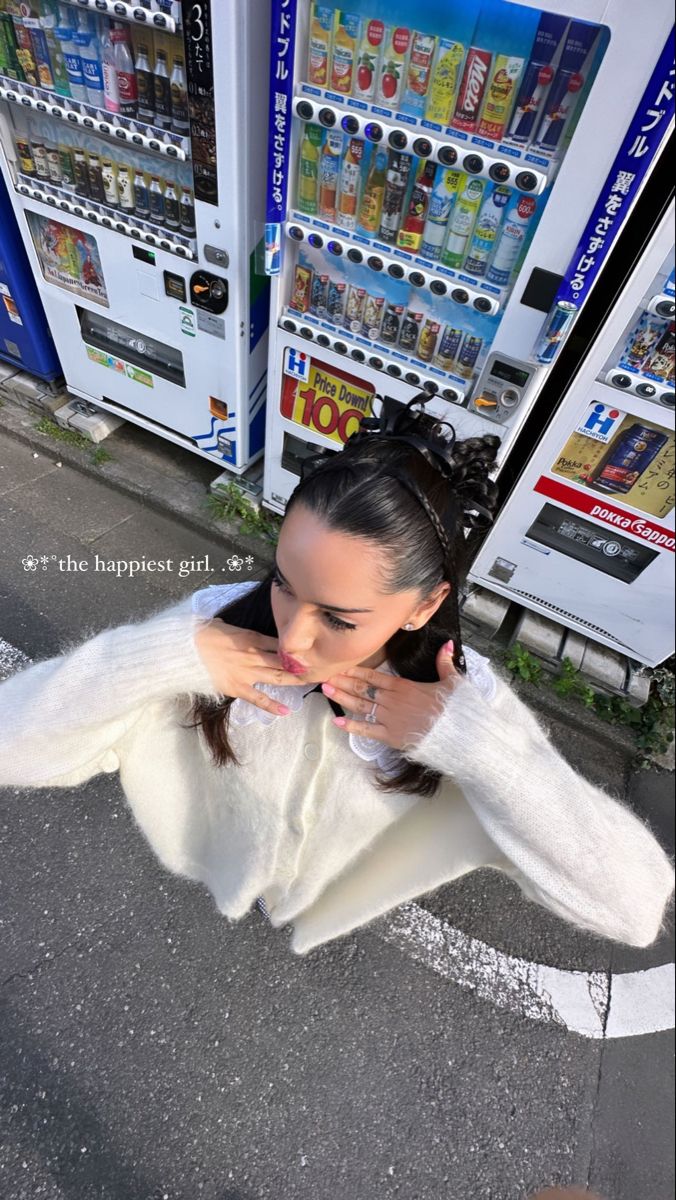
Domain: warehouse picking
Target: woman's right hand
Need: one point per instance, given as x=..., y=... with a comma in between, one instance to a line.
x=237, y=658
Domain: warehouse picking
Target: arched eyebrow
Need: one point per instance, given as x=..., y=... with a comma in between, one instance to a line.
x=329, y=607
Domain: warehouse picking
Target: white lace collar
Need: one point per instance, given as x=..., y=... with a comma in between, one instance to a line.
x=210, y=600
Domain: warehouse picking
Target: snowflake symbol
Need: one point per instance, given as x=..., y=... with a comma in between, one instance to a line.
x=249, y=562
x=235, y=563
x=30, y=563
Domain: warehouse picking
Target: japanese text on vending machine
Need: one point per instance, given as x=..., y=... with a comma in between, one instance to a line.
x=281, y=94
x=651, y=120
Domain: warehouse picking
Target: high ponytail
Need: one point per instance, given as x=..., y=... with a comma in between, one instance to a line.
x=417, y=495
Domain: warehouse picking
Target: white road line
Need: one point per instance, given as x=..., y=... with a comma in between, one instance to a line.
x=593, y=1005
x=628, y=1005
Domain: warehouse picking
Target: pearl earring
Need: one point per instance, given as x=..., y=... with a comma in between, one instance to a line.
x=409, y=627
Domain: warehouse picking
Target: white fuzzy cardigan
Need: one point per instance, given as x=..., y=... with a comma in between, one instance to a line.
x=300, y=821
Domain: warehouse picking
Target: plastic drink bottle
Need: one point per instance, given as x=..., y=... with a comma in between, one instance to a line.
x=145, y=86
x=111, y=95
x=124, y=70
x=309, y=170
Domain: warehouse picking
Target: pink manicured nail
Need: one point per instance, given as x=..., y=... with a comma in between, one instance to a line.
x=283, y=710
x=328, y=690
x=340, y=721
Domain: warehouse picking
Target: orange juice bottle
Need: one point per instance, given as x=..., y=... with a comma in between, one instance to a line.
x=345, y=41
x=321, y=28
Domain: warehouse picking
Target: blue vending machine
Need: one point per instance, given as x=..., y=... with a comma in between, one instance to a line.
x=25, y=340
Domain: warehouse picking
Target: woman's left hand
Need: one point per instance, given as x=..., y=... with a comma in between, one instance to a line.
x=405, y=711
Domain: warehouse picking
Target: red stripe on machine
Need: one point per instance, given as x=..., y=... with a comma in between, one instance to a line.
x=610, y=514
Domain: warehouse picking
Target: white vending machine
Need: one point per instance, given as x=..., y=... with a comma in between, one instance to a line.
x=445, y=183
x=587, y=535
x=133, y=144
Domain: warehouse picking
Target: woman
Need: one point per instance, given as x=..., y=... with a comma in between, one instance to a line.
x=437, y=769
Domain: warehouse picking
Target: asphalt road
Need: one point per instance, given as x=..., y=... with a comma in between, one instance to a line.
x=150, y=1049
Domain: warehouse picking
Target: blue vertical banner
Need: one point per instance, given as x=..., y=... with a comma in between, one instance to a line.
x=282, y=59
x=645, y=134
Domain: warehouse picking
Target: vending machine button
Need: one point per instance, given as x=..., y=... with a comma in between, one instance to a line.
x=154, y=145
x=107, y=222
x=340, y=347
x=394, y=370
x=40, y=106
x=306, y=333
x=350, y=125
x=665, y=309
x=448, y=156
x=396, y=271
x=63, y=204
x=119, y=226
x=473, y=164
x=159, y=20
x=667, y=399
x=422, y=147
x=322, y=339
x=56, y=112
x=431, y=387
x=374, y=132
x=296, y=233
x=87, y=122
x=140, y=14
x=72, y=117
x=327, y=118
x=416, y=279
x=412, y=378
x=355, y=256
x=646, y=389
x=451, y=395
x=290, y=326
x=622, y=381
x=526, y=181
x=499, y=172
x=482, y=304
x=438, y=287
x=375, y=263
x=305, y=110
x=138, y=140
x=460, y=295
x=171, y=151
x=335, y=248
x=359, y=356
x=121, y=134
x=376, y=363
x=316, y=241
x=26, y=101
x=104, y=127
x=398, y=139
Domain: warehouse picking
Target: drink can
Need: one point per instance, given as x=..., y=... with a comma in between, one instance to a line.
x=486, y=230
x=428, y=340
x=302, y=284
x=537, y=77
x=467, y=358
x=26, y=161
x=389, y=332
x=354, y=309
x=410, y=331
x=558, y=323
x=633, y=453
x=374, y=310
x=472, y=89
x=319, y=295
x=500, y=95
x=335, y=304
x=448, y=350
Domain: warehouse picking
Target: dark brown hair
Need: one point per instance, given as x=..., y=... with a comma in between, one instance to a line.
x=412, y=494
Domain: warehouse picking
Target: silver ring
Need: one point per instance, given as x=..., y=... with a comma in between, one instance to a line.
x=371, y=717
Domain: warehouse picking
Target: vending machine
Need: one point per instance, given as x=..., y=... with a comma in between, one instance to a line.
x=134, y=147
x=445, y=183
x=25, y=340
x=587, y=535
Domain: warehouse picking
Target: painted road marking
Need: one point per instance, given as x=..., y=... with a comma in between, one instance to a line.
x=591, y=1004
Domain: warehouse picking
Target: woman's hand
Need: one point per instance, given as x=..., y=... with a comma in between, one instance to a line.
x=406, y=709
x=237, y=658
